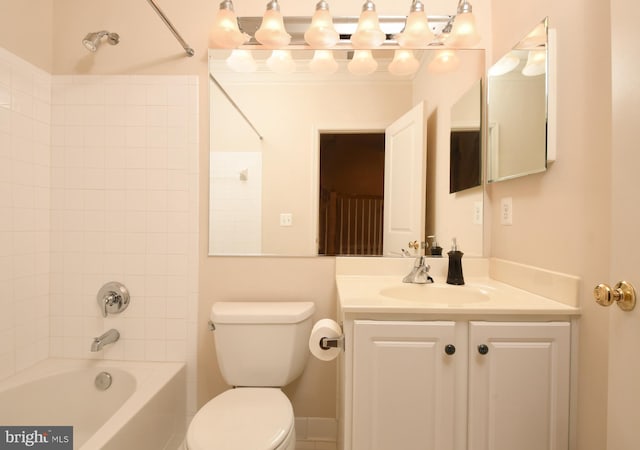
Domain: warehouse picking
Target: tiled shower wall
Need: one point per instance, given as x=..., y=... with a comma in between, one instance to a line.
x=98, y=182
x=25, y=93
x=124, y=207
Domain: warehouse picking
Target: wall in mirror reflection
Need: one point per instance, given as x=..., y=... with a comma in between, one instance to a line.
x=256, y=183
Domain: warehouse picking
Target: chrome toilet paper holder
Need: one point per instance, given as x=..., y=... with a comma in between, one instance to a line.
x=327, y=343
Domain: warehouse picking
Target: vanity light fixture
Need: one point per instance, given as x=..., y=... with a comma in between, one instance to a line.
x=404, y=63
x=241, y=61
x=323, y=62
x=368, y=33
x=281, y=62
x=416, y=33
x=362, y=63
x=321, y=32
x=272, y=33
x=464, y=32
x=504, y=65
x=536, y=63
x=225, y=32
x=444, y=61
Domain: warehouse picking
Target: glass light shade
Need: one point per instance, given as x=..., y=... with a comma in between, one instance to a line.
x=537, y=37
x=225, y=32
x=241, y=61
x=323, y=62
x=504, y=65
x=444, y=61
x=368, y=33
x=416, y=32
x=536, y=63
x=362, y=63
x=321, y=32
x=404, y=63
x=272, y=33
x=281, y=62
x=464, y=33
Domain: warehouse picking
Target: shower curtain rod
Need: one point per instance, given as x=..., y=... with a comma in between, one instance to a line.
x=234, y=104
x=187, y=48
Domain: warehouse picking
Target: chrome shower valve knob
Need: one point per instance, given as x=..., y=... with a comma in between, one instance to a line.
x=113, y=298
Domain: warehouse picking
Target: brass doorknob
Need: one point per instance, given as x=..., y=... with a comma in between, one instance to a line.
x=623, y=294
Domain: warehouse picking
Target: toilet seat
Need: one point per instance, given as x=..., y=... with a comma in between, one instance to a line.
x=242, y=419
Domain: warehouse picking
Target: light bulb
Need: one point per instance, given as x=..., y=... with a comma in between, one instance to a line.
x=444, y=61
x=225, y=32
x=404, y=63
x=241, y=61
x=281, y=62
x=504, y=65
x=368, y=33
x=362, y=63
x=536, y=63
x=272, y=33
x=321, y=32
x=416, y=33
x=323, y=62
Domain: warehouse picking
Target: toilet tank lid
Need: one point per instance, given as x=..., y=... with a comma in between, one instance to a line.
x=261, y=312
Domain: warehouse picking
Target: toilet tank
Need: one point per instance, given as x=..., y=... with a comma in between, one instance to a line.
x=261, y=343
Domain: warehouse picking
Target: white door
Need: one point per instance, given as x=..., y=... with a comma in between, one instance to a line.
x=519, y=385
x=404, y=385
x=623, y=431
x=404, y=181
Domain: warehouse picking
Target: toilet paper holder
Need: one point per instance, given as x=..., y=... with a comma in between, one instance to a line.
x=327, y=343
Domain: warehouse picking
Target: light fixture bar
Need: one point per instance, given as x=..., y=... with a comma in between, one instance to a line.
x=345, y=26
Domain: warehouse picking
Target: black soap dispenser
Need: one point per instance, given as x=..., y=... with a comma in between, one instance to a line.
x=454, y=275
x=436, y=250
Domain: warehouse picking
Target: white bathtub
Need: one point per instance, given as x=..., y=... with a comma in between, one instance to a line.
x=144, y=408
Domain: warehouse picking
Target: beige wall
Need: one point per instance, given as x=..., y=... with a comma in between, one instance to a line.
x=560, y=218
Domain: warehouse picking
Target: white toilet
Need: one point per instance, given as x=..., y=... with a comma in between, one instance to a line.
x=260, y=346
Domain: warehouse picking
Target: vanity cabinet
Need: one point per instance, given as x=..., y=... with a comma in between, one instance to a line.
x=459, y=385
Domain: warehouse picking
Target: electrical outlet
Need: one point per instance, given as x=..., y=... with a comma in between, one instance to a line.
x=477, y=213
x=286, y=219
x=506, y=211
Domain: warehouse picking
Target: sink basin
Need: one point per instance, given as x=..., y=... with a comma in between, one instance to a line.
x=437, y=293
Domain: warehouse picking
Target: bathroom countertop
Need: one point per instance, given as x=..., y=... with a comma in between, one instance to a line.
x=362, y=296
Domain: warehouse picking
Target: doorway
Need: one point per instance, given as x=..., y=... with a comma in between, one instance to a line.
x=351, y=208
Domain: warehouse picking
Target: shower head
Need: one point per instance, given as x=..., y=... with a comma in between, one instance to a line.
x=92, y=40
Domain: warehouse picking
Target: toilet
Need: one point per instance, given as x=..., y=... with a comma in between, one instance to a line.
x=260, y=347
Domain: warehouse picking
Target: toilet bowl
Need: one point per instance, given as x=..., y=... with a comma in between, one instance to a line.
x=243, y=419
x=260, y=346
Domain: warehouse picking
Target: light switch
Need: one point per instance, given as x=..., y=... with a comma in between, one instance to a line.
x=286, y=219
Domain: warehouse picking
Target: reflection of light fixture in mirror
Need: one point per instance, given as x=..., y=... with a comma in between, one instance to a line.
x=404, y=63
x=536, y=63
x=368, y=33
x=323, y=62
x=362, y=63
x=321, y=32
x=504, y=65
x=281, y=62
x=241, y=61
x=225, y=32
x=271, y=33
x=464, y=32
x=416, y=31
x=444, y=61
x=537, y=37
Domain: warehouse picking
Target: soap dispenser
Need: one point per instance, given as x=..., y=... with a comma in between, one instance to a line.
x=436, y=250
x=454, y=275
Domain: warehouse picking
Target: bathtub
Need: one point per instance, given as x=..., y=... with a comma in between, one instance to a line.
x=144, y=408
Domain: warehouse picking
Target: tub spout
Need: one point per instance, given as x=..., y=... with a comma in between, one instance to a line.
x=107, y=338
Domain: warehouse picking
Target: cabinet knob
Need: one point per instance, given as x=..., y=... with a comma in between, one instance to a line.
x=483, y=349
x=450, y=349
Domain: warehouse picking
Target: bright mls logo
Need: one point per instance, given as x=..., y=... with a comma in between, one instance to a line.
x=31, y=437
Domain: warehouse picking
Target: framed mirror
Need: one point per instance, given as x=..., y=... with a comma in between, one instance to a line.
x=518, y=105
x=268, y=133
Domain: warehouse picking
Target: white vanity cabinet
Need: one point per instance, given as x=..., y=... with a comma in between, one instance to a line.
x=456, y=385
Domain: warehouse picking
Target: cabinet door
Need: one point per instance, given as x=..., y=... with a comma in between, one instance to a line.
x=403, y=385
x=519, y=386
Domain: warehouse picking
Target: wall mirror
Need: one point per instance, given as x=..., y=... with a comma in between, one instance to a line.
x=271, y=119
x=518, y=100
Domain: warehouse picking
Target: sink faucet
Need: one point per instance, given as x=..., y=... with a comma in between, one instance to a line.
x=420, y=272
x=107, y=338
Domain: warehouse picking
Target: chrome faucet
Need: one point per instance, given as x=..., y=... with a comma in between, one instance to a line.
x=108, y=337
x=420, y=272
